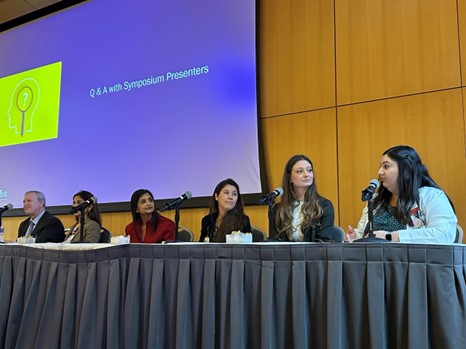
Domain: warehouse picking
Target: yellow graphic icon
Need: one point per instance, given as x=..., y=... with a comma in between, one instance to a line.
x=32, y=112
x=22, y=101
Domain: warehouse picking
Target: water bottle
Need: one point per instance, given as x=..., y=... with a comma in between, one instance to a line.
x=2, y=232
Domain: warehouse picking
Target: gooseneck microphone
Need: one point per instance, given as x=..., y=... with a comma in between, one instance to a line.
x=83, y=205
x=6, y=208
x=368, y=192
x=268, y=198
x=176, y=202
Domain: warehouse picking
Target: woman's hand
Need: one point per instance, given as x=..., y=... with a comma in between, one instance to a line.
x=350, y=234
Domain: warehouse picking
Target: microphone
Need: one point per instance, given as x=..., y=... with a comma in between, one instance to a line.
x=176, y=202
x=83, y=205
x=265, y=199
x=6, y=208
x=370, y=190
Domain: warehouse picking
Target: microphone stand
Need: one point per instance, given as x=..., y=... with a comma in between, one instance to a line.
x=269, y=200
x=270, y=216
x=177, y=220
x=81, y=225
x=370, y=216
x=370, y=236
x=177, y=224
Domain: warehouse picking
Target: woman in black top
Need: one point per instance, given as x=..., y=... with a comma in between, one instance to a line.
x=226, y=213
x=302, y=214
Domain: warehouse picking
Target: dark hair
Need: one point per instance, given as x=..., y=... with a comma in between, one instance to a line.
x=233, y=219
x=312, y=210
x=93, y=213
x=134, y=207
x=412, y=175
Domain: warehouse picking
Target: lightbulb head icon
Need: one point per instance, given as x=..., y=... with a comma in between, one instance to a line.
x=24, y=102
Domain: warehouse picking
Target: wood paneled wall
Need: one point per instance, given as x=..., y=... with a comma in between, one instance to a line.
x=343, y=80
x=390, y=48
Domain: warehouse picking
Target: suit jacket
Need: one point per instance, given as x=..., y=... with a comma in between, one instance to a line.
x=91, y=232
x=208, y=227
x=48, y=229
x=323, y=232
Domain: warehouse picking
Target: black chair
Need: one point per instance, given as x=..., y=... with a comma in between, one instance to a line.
x=341, y=232
x=185, y=235
x=258, y=235
x=105, y=236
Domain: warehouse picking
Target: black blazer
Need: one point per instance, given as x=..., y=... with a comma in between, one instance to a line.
x=208, y=227
x=325, y=232
x=48, y=229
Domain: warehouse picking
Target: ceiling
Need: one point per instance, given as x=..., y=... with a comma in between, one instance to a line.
x=11, y=9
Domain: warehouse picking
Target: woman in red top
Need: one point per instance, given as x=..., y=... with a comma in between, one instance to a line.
x=148, y=225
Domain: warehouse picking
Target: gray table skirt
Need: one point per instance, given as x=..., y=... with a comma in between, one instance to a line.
x=234, y=296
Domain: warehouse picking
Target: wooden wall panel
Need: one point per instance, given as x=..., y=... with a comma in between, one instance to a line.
x=431, y=123
x=463, y=90
x=296, y=56
x=462, y=37
x=312, y=134
x=395, y=47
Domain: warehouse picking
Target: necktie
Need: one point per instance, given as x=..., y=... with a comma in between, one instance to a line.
x=30, y=229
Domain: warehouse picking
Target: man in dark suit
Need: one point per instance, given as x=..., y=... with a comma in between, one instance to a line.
x=40, y=224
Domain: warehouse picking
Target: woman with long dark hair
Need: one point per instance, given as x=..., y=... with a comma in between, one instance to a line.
x=225, y=214
x=409, y=206
x=148, y=225
x=302, y=213
x=92, y=220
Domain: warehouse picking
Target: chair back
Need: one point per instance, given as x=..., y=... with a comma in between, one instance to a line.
x=341, y=231
x=258, y=234
x=459, y=234
x=105, y=236
x=185, y=235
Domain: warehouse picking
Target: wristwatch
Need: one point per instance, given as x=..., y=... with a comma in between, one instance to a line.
x=388, y=236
